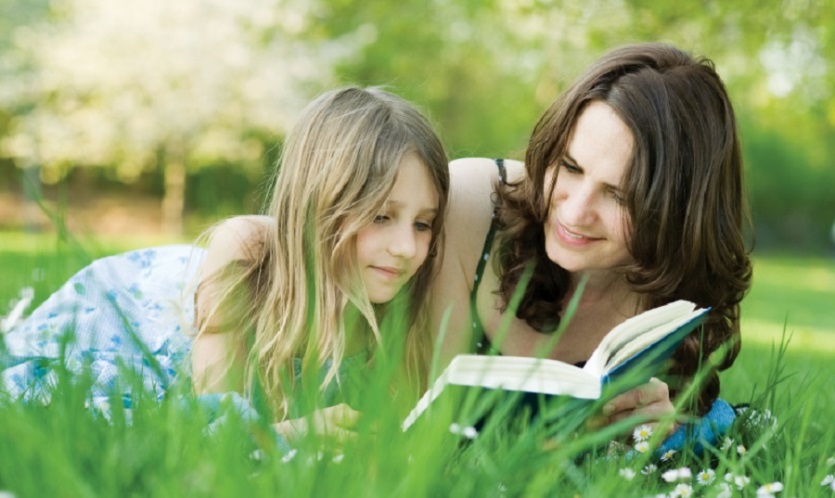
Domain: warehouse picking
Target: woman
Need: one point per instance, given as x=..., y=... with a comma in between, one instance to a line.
x=633, y=182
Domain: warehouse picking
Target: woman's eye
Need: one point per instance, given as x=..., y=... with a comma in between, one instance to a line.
x=570, y=167
x=380, y=218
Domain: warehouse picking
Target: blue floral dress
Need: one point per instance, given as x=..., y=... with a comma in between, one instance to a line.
x=132, y=312
x=128, y=312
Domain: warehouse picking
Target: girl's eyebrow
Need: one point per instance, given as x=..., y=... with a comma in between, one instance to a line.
x=433, y=210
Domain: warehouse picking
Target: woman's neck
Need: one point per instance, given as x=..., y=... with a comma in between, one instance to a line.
x=604, y=288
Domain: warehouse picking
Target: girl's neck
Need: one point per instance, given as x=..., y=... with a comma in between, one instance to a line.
x=356, y=331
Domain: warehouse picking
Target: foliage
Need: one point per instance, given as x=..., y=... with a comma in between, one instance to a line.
x=213, y=83
x=165, y=449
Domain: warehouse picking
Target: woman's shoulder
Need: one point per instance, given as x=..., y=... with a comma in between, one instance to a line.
x=237, y=239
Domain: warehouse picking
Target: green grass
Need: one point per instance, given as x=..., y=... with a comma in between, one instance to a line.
x=66, y=450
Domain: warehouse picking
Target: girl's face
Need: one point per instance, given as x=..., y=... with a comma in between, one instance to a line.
x=391, y=248
x=585, y=229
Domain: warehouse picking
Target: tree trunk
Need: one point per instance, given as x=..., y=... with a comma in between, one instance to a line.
x=173, y=199
x=32, y=194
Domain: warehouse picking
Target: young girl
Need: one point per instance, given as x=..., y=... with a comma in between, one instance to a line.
x=296, y=295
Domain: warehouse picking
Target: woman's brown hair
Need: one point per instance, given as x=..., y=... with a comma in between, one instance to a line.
x=686, y=206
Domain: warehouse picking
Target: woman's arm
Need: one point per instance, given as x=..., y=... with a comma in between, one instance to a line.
x=468, y=219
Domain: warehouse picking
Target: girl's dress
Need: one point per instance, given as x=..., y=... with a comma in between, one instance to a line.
x=127, y=313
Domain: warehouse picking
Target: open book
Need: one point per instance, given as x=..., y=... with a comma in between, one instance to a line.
x=634, y=350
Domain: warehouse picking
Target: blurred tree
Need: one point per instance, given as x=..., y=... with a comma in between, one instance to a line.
x=181, y=84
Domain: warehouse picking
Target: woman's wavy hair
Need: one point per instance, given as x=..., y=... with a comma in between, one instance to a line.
x=290, y=301
x=685, y=200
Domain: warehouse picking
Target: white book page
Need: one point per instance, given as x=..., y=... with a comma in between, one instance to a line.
x=646, y=324
x=516, y=373
x=645, y=340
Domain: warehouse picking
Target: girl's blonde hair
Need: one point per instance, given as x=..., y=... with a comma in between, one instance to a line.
x=290, y=299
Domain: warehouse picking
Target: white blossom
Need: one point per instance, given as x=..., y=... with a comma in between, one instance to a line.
x=677, y=474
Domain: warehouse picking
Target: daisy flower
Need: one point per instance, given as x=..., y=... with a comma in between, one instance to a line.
x=627, y=473
x=649, y=469
x=642, y=447
x=667, y=455
x=682, y=490
x=677, y=474
x=642, y=433
x=706, y=477
x=727, y=443
x=725, y=490
x=289, y=456
x=768, y=490
x=739, y=481
x=469, y=432
x=741, y=449
x=829, y=479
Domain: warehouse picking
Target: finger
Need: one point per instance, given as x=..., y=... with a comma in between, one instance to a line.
x=344, y=416
x=643, y=395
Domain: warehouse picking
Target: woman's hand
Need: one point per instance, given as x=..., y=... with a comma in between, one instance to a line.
x=335, y=423
x=650, y=401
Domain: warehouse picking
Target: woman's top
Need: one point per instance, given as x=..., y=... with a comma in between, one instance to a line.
x=481, y=344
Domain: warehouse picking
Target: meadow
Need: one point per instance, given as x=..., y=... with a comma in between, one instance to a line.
x=785, y=369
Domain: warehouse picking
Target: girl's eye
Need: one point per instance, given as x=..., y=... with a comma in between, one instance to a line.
x=423, y=227
x=618, y=197
x=381, y=218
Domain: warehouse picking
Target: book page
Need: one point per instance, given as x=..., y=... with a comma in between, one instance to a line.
x=651, y=337
x=646, y=325
x=512, y=373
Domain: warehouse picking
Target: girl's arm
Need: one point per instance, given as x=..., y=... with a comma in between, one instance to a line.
x=218, y=353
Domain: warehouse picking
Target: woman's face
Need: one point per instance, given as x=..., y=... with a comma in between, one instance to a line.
x=586, y=225
x=394, y=246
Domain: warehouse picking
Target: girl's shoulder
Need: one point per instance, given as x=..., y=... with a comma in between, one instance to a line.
x=238, y=239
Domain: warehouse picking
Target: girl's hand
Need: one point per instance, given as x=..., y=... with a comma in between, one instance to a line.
x=650, y=401
x=335, y=423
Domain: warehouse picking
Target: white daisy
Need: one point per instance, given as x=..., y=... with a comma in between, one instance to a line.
x=741, y=449
x=642, y=447
x=667, y=455
x=725, y=490
x=649, y=469
x=683, y=490
x=289, y=456
x=829, y=479
x=627, y=473
x=642, y=433
x=768, y=490
x=727, y=443
x=739, y=481
x=677, y=474
x=706, y=477
x=469, y=432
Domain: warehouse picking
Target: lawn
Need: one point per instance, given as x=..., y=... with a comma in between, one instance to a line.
x=785, y=366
